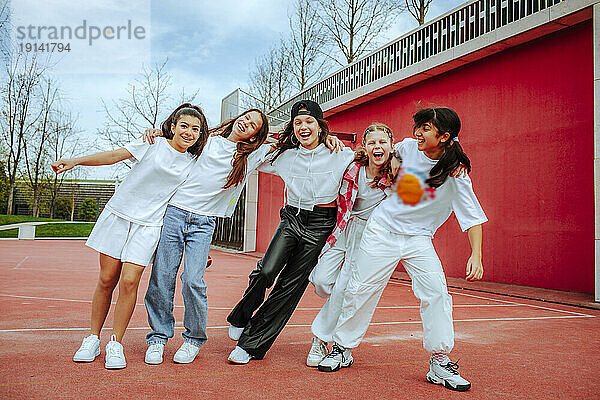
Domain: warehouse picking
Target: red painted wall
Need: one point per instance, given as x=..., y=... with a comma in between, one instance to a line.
x=527, y=116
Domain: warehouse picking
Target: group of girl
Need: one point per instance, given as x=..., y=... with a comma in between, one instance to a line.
x=167, y=205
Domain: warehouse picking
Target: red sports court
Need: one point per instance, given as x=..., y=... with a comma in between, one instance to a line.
x=509, y=347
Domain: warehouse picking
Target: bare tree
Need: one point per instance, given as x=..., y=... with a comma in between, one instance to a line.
x=36, y=144
x=270, y=79
x=4, y=28
x=63, y=143
x=354, y=25
x=418, y=9
x=129, y=116
x=307, y=63
x=18, y=118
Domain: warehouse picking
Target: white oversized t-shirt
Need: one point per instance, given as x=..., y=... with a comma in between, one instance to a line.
x=420, y=209
x=202, y=193
x=143, y=195
x=311, y=177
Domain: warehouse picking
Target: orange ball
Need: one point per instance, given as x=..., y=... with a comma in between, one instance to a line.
x=409, y=189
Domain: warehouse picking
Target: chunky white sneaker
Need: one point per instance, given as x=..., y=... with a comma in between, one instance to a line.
x=186, y=353
x=317, y=352
x=115, y=359
x=154, y=354
x=235, y=332
x=89, y=350
x=445, y=373
x=337, y=358
x=239, y=356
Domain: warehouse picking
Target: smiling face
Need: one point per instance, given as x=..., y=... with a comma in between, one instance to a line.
x=379, y=147
x=246, y=126
x=429, y=140
x=306, y=130
x=185, y=132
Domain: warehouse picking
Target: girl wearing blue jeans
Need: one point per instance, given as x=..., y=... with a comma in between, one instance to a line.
x=211, y=190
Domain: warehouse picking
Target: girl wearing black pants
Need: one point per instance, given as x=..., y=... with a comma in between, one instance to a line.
x=312, y=176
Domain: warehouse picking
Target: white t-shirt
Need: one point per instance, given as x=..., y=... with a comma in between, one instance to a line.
x=367, y=197
x=422, y=210
x=311, y=177
x=202, y=193
x=143, y=195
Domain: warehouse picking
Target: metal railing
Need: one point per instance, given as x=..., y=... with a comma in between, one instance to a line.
x=456, y=27
x=229, y=232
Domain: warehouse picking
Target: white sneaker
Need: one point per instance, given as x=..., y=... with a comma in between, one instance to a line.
x=115, y=359
x=239, y=356
x=445, y=373
x=186, y=353
x=235, y=332
x=89, y=350
x=337, y=358
x=154, y=354
x=317, y=352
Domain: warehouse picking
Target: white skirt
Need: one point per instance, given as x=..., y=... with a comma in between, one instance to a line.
x=124, y=240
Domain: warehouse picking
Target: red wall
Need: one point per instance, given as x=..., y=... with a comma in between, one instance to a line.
x=527, y=116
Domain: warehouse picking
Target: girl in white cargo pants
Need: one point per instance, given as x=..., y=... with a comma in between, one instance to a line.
x=401, y=229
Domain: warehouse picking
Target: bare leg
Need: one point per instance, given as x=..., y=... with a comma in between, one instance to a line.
x=128, y=287
x=110, y=269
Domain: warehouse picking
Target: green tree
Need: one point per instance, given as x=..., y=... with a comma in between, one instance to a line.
x=87, y=210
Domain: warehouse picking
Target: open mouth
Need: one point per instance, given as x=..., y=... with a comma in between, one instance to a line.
x=187, y=140
x=241, y=127
x=378, y=155
x=304, y=135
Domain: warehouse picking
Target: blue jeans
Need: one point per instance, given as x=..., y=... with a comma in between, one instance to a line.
x=189, y=233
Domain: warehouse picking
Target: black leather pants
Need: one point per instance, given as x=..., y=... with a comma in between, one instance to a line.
x=292, y=254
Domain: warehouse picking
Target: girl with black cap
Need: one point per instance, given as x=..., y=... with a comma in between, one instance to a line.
x=312, y=177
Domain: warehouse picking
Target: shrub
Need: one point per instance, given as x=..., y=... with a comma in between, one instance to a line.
x=87, y=210
x=62, y=208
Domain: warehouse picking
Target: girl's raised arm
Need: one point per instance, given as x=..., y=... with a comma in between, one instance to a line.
x=475, y=265
x=102, y=158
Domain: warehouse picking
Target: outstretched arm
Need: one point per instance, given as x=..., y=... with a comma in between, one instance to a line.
x=475, y=265
x=103, y=158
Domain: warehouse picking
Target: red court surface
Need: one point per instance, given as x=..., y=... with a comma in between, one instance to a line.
x=508, y=348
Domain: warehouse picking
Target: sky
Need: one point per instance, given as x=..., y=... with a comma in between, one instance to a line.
x=210, y=45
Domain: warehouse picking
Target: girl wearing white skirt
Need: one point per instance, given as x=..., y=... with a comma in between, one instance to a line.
x=401, y=230
x=127, y=231
x=365, y=184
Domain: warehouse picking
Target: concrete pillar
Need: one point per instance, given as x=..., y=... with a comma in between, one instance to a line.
x=596, y=40
x=251, y=215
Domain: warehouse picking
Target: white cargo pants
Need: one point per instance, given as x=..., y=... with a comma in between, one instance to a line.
x=379, y=252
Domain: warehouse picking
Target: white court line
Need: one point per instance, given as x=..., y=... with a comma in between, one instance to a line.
x=21, y=262
x=230, y=308
x=507, y=302
x=308, y=325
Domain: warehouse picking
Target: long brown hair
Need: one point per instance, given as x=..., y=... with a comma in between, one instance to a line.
x=288, y=140
x=243, y=147
x=362, y=158
x=194, y=111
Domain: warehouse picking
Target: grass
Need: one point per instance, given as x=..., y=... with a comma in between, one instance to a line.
x=10, y=233
x=80, y=229
x=16, y=219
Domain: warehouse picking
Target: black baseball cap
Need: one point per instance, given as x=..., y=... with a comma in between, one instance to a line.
x=311, y=108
